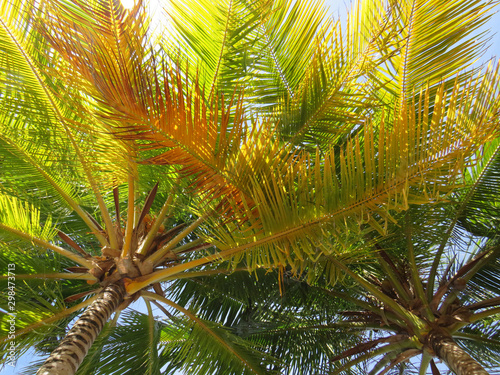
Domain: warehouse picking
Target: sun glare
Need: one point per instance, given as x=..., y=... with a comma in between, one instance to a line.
x=127, y=4
x=158, y=12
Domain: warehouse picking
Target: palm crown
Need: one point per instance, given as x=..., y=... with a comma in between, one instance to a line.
x=276, y=143
x=432, y=282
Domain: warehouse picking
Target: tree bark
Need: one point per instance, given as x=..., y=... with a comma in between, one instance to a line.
x=445, y=348
x=68, y=356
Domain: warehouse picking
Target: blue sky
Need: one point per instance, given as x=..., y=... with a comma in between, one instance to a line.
x=337, y=8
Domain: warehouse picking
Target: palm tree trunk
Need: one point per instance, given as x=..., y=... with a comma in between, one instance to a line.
x=68, y=356
x=445, y=348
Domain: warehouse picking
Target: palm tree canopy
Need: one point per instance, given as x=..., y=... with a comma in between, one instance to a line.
x=255, y=132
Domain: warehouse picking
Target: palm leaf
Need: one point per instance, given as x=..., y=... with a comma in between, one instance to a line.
x=338, y=92
x=439, y=42
x=126, y=350
x=41, y=313
x=481, y=342
x=218, y=39
x=230, y=354
x=285, y=48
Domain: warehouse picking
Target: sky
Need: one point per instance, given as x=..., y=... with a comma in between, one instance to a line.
x=337, y=9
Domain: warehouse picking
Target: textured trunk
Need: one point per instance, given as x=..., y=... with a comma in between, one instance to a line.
x=70, y=353
x=455, y=357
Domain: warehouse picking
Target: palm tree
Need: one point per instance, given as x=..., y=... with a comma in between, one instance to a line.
x=274, y=141
x=381, y=316
x=431, y=291
x=426, y=303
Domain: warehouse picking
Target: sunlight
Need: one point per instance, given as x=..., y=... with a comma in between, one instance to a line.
x=161, y=21
x=158, y=12
x=128, y=4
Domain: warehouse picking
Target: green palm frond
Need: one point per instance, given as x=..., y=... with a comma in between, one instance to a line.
x=273, y=312
x=222, y=297
x=38, y=186
x=285, y=48
x=218, y=38
x=126, y=350
x=36, y=302
x=21, y=222
x=481, y=211
x=438, y=43
x=467, y=214
x=228, y=353
x=24, y=218
x=338, y=92
x=487, y=279
x=213, y=303
x=481, y=340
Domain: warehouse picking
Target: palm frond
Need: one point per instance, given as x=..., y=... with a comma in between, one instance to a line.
x=364, y=182
x=218, y=38
x=52, y=123
x=439, y=42
x=285, y=49
x=41, y=315
x=231, y=355
x=481, y=341
x=479, y=216
x=125, y=350
x=338, y=93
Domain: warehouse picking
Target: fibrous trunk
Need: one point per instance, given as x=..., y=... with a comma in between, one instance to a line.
x=455, y=357
x=68, y=356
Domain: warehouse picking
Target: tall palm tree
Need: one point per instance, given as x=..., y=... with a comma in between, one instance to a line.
x=274, y=141
x=434, y=290
x=381, y=317
x=430, y=291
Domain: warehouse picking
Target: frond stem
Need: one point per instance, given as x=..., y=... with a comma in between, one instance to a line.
x=154, y=228
x=484, y=314
x=373, y=353
x=158, y=255
x=407, y=316
x=129, y=229
x=477, y=338
x=417, y=282
x=394, y=279
x=151, y=333
x=424, y=364
x=437, y=258
x=201, y=324
x=362, y=304
x=47, y=245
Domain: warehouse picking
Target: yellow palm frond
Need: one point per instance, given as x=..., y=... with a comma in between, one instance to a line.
x=305, y=213
x=439, y=41
x=338, y=91
x=39, y=128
